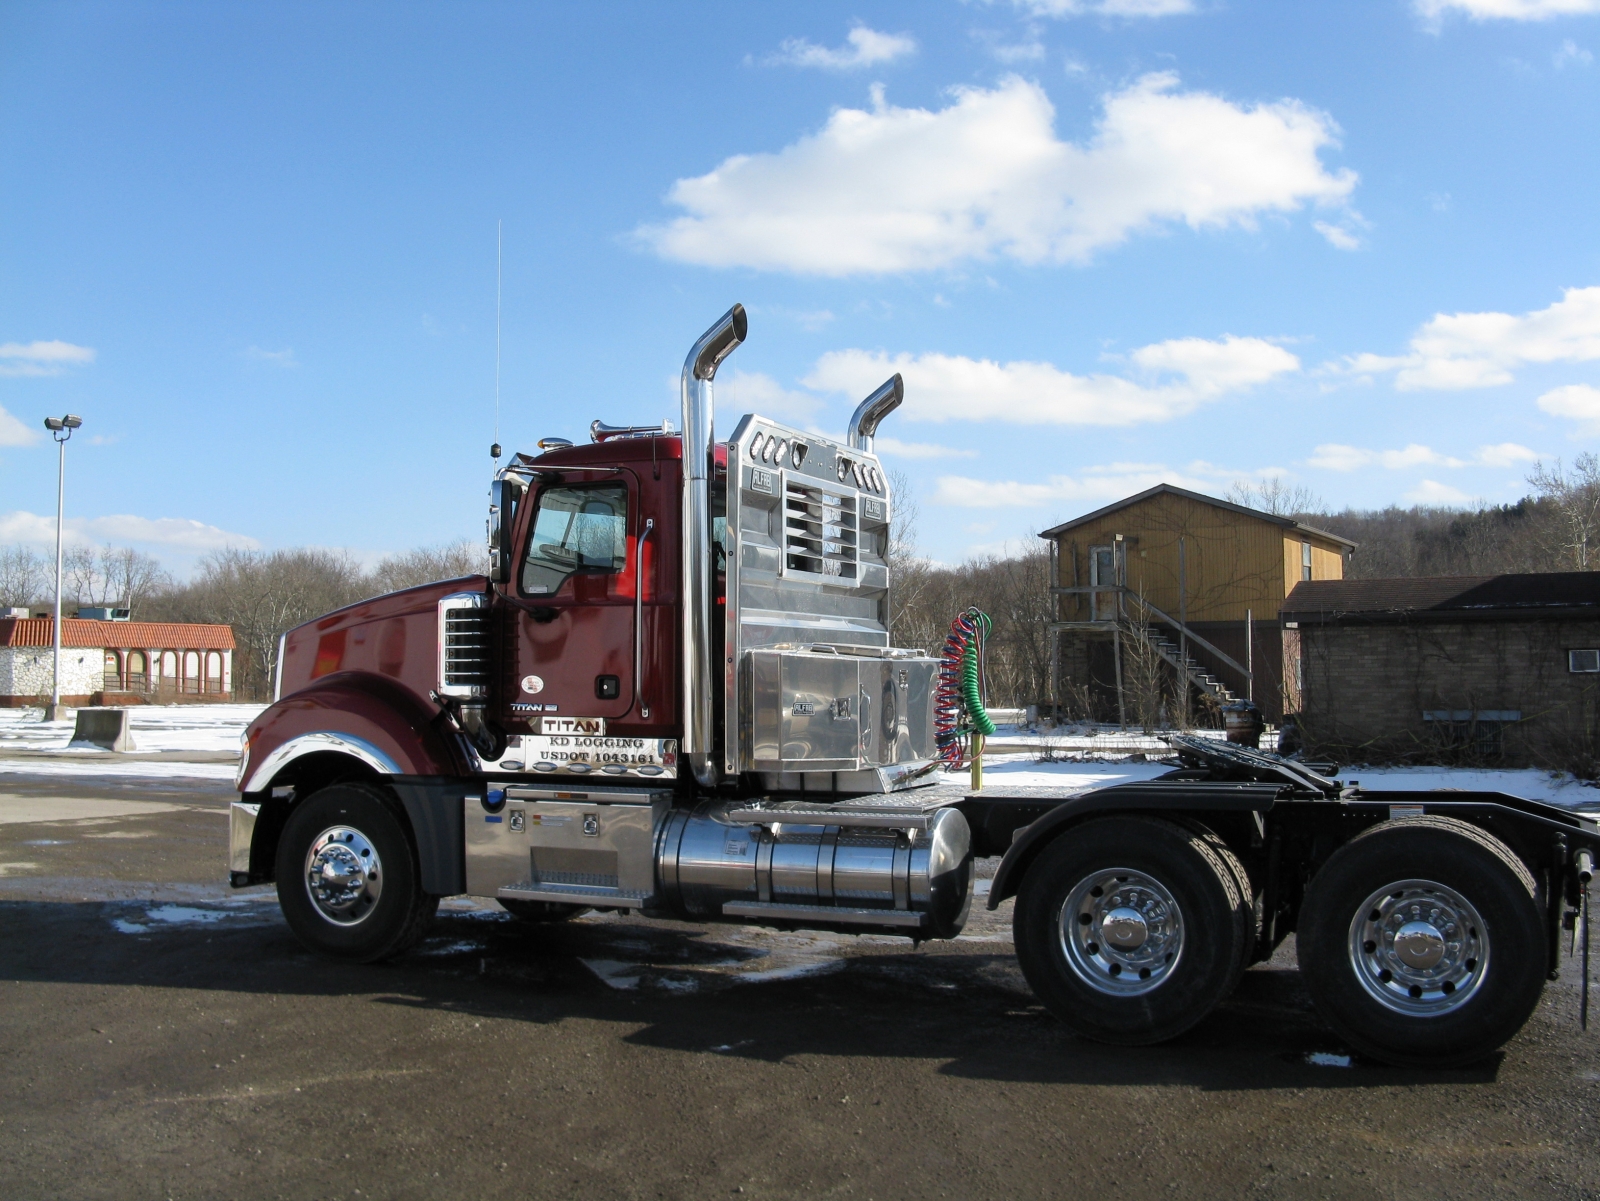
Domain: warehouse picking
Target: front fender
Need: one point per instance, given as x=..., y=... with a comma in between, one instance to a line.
x=364, y=716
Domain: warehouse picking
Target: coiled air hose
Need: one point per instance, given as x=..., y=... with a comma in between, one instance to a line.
x=958, y=703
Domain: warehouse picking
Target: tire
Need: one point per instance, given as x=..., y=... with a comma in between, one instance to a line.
x=1422, y=943
x=347, y=910
x=1250, y=911
x=1187, y=915
x=541, y=911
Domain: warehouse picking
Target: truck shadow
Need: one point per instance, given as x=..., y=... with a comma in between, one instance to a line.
x=752, y=994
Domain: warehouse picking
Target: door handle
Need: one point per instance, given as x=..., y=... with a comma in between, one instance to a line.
x=638, y=616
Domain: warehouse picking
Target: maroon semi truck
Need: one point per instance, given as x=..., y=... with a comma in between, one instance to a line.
x=675, y=692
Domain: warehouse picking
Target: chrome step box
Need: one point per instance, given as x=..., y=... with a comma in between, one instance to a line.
x=589, y=846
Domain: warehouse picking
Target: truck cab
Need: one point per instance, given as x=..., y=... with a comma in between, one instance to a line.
x=675, y=634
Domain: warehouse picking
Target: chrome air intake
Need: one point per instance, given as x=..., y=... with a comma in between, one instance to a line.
x=699, y=450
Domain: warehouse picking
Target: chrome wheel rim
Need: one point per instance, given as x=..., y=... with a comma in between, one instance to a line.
x=1419, y=948
x=1121, y=932
x=344, y=876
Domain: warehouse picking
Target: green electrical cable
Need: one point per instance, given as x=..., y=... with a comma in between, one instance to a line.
x=970, y=693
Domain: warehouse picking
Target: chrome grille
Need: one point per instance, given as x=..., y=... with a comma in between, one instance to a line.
x=463, y=646
x=821, y=532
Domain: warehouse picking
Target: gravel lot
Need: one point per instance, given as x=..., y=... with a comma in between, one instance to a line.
x=164, y=1037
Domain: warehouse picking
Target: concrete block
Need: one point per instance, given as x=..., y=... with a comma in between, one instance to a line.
x=104, y=727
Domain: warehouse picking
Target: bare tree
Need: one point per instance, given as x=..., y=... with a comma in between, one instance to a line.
x=113, y=575
x=908, y=571
x=1275, y=496
x=80, y=575
x=24, y=577
x=1575, y=496
x=464, y=557
x=262, y=595
x=132, y=576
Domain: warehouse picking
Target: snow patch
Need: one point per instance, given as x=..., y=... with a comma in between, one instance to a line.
x=1326, y=1059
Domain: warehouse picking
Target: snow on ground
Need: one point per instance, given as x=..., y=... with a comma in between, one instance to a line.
x=155, y=728
x=29, y=746
x=147, y=770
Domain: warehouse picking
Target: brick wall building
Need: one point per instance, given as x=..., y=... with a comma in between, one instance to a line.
x=1492, y=669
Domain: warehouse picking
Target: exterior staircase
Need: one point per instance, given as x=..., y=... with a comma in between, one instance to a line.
x=1185, y=664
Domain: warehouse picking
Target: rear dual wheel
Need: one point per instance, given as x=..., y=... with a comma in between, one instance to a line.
x=1422, y=944
x=1132, y=929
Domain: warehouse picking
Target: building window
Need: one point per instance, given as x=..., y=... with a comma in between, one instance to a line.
x=1305, y=560
x=1587, y=660
x=1476, y=734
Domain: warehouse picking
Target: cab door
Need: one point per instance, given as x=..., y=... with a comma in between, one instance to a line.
x=572, y=600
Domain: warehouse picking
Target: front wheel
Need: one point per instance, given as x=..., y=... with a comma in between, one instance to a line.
x=1131, y=929
x=347, y=879
x=1421, y=942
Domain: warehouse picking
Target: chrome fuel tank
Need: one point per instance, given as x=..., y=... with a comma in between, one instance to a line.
x=820, y=866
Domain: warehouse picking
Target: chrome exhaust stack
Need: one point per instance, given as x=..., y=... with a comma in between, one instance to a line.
x=699, y=451
x=871, y=411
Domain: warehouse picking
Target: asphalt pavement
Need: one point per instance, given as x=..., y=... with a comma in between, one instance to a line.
x=163, y=1036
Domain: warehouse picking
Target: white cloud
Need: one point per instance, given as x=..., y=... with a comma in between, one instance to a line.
x=941, y=387
x=180, y=534
x=1480, y=350
x=13, y=432
x=1506, y=10
x=279, y=358
x=1505, y=454
x=1571, y=52
x=863, y=48
x=753, y=392
x=1335, y=456
x=41, y=358
x=1339, y=237
x=1030, y=51
x=1432, y=492
x=1105, y=8
x=919, y=450
x=1580, y=402
x=904, y=189
x=1096, y=485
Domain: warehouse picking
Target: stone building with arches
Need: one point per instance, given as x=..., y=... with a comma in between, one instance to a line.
x=115, y=662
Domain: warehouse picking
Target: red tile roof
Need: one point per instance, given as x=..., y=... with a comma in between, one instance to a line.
x=116, y=635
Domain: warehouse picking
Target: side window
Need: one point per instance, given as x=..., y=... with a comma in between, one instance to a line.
x=1305, y=560
x=575, y=529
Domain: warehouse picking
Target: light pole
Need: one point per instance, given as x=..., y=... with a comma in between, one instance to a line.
x=60, y=429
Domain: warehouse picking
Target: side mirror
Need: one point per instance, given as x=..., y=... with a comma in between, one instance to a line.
x=503, y=498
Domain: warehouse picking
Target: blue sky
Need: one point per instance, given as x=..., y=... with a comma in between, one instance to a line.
x=1108, y=242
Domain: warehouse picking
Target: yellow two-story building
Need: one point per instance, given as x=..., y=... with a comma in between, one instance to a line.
x=1187, y=581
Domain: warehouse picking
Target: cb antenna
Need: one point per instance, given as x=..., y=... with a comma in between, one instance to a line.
x=494, y=448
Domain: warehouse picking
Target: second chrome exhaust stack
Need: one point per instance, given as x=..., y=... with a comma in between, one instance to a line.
x=699, y=450
x=871, y=411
